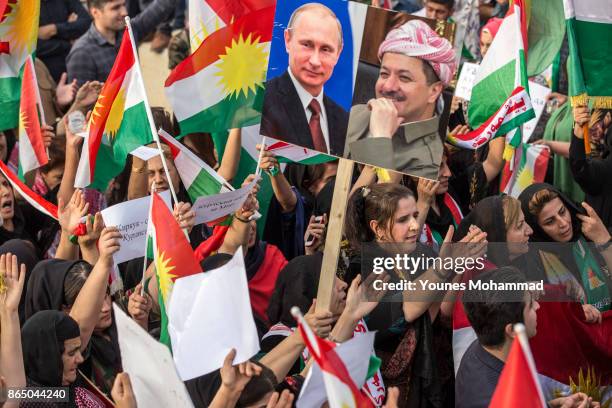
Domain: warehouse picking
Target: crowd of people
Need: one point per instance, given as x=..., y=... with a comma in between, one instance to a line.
x=56, y=317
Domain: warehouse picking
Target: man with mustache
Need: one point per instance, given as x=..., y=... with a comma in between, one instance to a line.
x=398, y=129
x=296, y=109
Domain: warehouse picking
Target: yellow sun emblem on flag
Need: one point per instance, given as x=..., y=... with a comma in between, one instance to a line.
x=243, y=67
x=23, y=121
x=115, y=115
x=164, y=274
x=22, y=22
x=525, y=178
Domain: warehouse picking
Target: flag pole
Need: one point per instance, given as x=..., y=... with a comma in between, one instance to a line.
x=148, y=108
x=261, y=152
x=144, y=262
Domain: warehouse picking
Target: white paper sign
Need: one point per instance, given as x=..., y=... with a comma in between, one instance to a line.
x=145, y=152
x=132, y=218
x=465, y=83
x=210, y=208
x=149, y=364
x=538, y=94
x=209, y=314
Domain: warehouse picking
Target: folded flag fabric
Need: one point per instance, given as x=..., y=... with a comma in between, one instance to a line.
x=32, y=152
x=26, y=192
x=589, y=29
x=530, y=163
x=18, y=38
x=208, y=16
x=118, y=123
x=518, y=384
x=220, y=86
x=288, y=153
x=509, y=116
x=198, y=177
x=174, y=257
x=502, y=71
x=340, y=388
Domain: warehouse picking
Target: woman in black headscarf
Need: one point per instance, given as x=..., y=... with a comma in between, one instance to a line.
x=52, y=354
x=55, y=285
x=26, y=254
x=570, y=258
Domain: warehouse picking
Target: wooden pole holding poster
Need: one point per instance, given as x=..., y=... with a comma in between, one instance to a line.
x=333, y=235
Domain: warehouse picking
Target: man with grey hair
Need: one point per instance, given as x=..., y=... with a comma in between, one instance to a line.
x=296, y=109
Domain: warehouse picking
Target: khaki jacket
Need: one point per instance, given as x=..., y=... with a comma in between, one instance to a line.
x=416, y=148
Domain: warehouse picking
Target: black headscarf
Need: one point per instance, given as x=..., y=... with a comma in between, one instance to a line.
x=45, y=290
x=26, y=254
x=488, y=215
x=538, y=233
x=297, y=285
x=42, y=338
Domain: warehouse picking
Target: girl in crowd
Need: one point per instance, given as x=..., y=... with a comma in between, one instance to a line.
x=382, y=220
x=556, y=219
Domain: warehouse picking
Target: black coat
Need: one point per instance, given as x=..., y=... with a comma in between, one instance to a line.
x=283, y=116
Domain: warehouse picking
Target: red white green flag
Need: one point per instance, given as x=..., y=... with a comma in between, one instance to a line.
x=502, y=71
x=30, y=196
x=208, y=16
x=18, y=37
x=32, y=152
x=198, y=177
x=118, y=123
x=528, y=166
x=221, y=85
x=173, y=255
x=288, y=153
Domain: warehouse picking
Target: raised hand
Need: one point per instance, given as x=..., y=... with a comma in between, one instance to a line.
x=268, y=162
x=94, y=226
x=317, y=230
x=122, y=392
x=139, y=306
x=593, y=227
x=11, y=285
x=426, y=190
x=87, y=94
x=184, y=215
x=236, y=377
x=320, y=322
x=109, y=243
x=362, y=298
x=69, y=215
x=65, y=93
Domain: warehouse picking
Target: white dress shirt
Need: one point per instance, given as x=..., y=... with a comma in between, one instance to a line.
x=305, y=98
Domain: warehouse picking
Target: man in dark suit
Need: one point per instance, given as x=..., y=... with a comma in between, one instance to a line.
x=296, y=109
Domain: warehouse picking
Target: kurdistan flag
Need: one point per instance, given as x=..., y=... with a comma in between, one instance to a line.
x=502, y=70
x=18, y=36
x=32, y=152
x=530, y=165
x=198, y=177
x=589, y=31
x=221, y=85
x=118, y=123
x=173, y=256
x=208, y=16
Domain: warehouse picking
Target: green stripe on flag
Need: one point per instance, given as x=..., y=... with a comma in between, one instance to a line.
x=10, y=92
x=203, y=185
x=134, y=132
x=490, y=94
x=318, y=159
x=231, y=112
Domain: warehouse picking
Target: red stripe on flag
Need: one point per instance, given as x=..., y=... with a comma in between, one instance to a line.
x=29, y=111
x=124, y=61
x=171, y=143
x=541, y=166
x=229, y=10
x=30, y=196
x=4, y=48
x=258, y=23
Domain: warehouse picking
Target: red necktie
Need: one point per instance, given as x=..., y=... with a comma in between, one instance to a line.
x=315, y=126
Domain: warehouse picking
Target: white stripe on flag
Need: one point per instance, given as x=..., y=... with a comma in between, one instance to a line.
x=594, y=11
x=462, y=338
x=498, y=54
